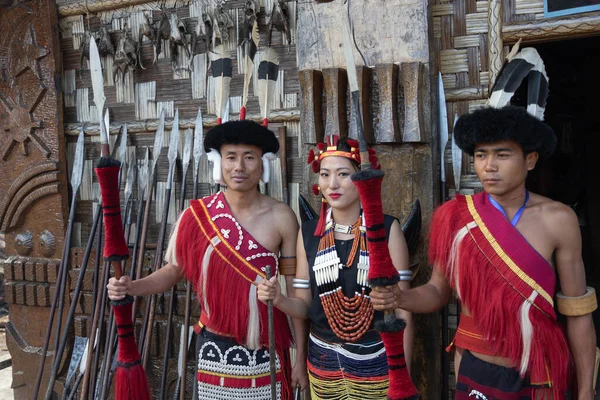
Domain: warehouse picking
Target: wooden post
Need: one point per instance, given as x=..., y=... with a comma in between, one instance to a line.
x=311, y=116
x=336, y=82
x=387, y=130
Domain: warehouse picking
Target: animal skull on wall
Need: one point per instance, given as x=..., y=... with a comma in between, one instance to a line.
x=280, y=19
x=125, y=56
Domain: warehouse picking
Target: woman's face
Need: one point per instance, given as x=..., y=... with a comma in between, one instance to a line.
x=335, y=182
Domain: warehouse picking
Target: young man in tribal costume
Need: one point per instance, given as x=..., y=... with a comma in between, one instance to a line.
x=501, y=251
x=222, y=244
x=346, y=358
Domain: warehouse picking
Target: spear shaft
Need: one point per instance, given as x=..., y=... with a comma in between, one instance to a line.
x=62, y=271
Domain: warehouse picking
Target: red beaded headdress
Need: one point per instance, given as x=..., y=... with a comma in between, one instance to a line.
x=331, y=148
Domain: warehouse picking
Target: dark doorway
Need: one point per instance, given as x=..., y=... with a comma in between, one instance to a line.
x=572, y=174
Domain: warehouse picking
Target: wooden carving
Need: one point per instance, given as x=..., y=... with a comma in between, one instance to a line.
x=411, y=78
x=387, y=81
x=32, y=176
x=336, y=82
x=364, y=75
x=311, y=118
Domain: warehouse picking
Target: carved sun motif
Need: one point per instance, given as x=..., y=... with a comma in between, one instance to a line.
x=23, y=55
x=17, y=125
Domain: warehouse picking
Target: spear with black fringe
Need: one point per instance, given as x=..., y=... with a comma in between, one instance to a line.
x=222, y=71
x=268, y=72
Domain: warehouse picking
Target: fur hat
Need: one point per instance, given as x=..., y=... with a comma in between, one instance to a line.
x=489, y=125
x=241, y=132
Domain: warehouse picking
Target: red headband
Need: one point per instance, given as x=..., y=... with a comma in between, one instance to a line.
x=330, y=149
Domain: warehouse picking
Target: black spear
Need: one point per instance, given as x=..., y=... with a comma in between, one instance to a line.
x=65, y=334
x=150, y=309
x=180, y=389
x=187, y=152
x=61, y=275
x=158, y=144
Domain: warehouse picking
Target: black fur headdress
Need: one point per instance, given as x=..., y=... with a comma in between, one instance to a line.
x=489, y=125
x=241, y=132
x=499, y=121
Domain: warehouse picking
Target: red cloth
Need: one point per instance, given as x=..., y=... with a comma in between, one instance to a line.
x=237, y=261
x=497, y=271
x=115, y=246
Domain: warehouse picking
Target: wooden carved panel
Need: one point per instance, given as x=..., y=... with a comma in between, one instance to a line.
x=32, y=174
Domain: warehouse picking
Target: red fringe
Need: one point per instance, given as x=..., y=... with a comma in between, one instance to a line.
x=401, y=386
x=320, y=228
x=243, y=113
x=228, y=292
x=498, y=317
x=131, y=382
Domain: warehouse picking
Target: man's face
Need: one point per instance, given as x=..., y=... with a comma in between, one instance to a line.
x=501, y=166
x=242, y=166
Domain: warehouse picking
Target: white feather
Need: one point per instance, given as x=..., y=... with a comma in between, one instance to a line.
x=266, y=166
x=526, y=332
x=215, y=157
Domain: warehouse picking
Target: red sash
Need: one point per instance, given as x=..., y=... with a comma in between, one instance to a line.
x=226, y=262
x=502, y=280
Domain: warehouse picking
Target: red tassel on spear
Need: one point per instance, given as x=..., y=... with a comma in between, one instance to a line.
x=381, y=269
x=131, y=381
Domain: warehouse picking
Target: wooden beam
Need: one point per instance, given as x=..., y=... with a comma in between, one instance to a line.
x=551, y=29
x=311, y=111
x=387, y=81
x=336, y=81
x=95, y=6
x=411, y=78
x=277, y=116
x=466, y=93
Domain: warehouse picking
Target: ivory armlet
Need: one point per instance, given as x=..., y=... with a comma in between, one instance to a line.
x=577, y=306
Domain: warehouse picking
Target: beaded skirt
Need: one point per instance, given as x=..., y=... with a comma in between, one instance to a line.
x=347, y=371
x=228, y=371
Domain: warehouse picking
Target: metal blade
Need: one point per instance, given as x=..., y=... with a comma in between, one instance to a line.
x=107, y=122
x=129, y=183
x=348, y=54
x=198, y=143
x=97, y=85
x=143, y=176
x=77, y=172
x=172, y=154
x=226, y=113
x=158, y=144
x=443, y=126
x=187, y=149
x=456, y=160
x=122, y=154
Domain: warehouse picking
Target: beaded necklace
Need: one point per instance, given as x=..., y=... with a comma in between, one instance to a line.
x=348, y=317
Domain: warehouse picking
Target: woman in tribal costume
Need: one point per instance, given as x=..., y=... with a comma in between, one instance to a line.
x=345, y=358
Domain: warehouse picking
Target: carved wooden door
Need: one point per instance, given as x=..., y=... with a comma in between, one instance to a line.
x=33, y=187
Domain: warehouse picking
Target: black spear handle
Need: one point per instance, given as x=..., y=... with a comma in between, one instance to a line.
x=59, y=282
x=149, y=320
x=142, y=253
x=65, y=336
x=272, y=354
x=98, y=309
x=169, y=337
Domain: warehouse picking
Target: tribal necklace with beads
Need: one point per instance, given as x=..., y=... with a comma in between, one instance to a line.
x=349, y=318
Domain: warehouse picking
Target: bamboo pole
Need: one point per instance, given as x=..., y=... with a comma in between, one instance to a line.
x=495, y=42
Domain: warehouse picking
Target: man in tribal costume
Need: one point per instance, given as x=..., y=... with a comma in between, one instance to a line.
x=222, y=244
x=501, y=251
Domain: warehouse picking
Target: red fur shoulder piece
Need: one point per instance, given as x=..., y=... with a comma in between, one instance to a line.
x=445, y=223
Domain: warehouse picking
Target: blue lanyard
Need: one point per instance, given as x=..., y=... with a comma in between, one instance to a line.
x=519, y=213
